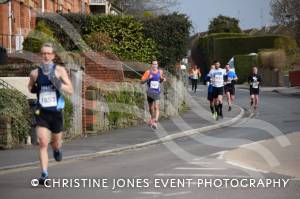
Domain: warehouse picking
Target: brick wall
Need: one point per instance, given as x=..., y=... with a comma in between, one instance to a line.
x=99, y=67
x=24, y=15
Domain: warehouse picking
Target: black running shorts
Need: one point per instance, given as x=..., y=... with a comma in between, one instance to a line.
x=51, y=120
x=218, y=91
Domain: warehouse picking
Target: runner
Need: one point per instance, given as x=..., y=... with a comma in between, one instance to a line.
x=254, y=80
x=230, y=80
x=48, y=81
x=210, y=97
x=153, y=77
x=195, y=75
x=217, y=77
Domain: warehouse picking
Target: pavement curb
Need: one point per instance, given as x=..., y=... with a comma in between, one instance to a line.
x=132, y=147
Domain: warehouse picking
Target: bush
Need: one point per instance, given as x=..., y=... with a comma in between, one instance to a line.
x=14, y=105
x=127, y=35
x=68, y=114
x=99, y=41
x=37, y=37
x=243, y=65
x=224, y=24
x=171, y=34
x=272, y=59
x=203, y=50
x=226, y=48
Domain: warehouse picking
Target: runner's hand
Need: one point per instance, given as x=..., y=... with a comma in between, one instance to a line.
x=55, y=80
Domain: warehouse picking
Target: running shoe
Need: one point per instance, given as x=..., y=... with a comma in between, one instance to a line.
x=57, y=154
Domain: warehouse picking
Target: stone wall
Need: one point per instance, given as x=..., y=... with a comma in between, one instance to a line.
x=120, y=105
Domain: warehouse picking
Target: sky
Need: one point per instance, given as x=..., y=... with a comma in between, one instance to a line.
x=251, y=13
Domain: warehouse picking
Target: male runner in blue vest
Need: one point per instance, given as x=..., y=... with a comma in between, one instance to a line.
x=153, y=77
x=49, y=81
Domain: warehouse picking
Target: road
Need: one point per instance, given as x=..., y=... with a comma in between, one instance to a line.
x=196, y=157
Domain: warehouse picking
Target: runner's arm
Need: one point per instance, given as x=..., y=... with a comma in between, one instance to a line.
x=145, y=77
x=66, y=85
x=31, y=84
x=162, y=78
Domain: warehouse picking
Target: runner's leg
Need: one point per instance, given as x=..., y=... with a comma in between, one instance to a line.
x=43, y=146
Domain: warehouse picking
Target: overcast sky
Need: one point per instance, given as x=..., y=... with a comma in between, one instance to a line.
x=252, y=13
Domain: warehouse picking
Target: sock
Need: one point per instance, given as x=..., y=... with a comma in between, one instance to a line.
x=44, y=173
x=217, y=109
x=212, y=109
x=220, y=109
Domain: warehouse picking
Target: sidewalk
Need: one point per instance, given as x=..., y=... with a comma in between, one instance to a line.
x=120, y=138
x=295, y=91
x=284, y=160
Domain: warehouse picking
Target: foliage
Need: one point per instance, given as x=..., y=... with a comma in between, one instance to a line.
x=203, y=49
x=128, y=39
x=171, y=34
x=226, y=48
x=14, y=105
x=99, y=41
x=127, y=35
x=68, y=114
x=287, y=13
x=271, y=59
x=37, y=37
x=243, y=65
x=224, y=24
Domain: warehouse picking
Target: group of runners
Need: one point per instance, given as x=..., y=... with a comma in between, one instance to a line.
x=49, y=81
x=223, y=80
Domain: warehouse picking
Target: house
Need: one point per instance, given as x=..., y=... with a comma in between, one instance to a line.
x=17, y=17
x=104, y=7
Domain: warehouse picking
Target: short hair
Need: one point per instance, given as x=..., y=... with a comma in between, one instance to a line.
x=216, y=61
x=49, y=45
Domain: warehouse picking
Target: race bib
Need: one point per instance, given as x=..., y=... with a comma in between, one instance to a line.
x=255, y=84
x=218, y=78
x=154, y=84
x=48, y=99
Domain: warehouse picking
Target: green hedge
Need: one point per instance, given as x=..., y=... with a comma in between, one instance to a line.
x=243, y=65
x=68, y=114
x=223, y=46
x=226, y=48
x=127, y=36
x=203, y=50
x=14, y=105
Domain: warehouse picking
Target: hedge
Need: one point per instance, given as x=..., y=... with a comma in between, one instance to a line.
x=127, y=36
x=203, y=50
x=226, y=48
x=243, y=65
x=223, y=46
x=14, y=105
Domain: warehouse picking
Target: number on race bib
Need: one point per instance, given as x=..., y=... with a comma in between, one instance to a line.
x=255, y=84
x=48, y=99
x=154, y=84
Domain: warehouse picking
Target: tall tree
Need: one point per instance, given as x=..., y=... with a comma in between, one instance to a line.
x=223, y=24
x=139, y=7
x=287, y=12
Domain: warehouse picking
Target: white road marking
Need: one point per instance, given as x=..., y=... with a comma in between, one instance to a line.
x=177, y=193
x=198, y=168
x=246, y=167
x=151, y=193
